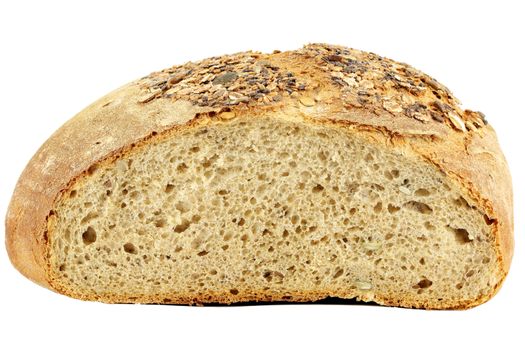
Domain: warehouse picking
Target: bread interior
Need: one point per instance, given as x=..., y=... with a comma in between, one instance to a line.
x=271, y=209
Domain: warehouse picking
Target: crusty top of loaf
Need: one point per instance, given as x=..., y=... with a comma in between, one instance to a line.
x=388, y=102
x=365, y=80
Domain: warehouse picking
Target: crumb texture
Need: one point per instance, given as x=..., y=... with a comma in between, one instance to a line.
x=274, y=207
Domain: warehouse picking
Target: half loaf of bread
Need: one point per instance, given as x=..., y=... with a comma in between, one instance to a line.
x=291, y=176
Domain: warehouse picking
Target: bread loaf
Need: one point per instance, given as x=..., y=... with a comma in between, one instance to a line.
x=291, y=176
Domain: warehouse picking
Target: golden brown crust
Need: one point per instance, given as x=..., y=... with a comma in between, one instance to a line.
x=395, y=103
x=269, y=296
x=483, y=171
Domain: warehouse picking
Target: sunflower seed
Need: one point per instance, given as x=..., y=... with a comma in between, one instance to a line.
x=405, y=190
x=363, y=285
x=372, y=245
x=307, y=101
x=392, y=106
x=227, y=115
x=225, y=78
x=456, y=121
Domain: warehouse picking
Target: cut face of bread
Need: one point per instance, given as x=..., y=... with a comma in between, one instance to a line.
x=268, y=208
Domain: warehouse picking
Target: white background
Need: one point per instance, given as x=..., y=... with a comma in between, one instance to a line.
x=57, y=57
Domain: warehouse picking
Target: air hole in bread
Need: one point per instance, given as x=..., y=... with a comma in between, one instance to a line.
x=183, y=226
x=317, y=188
x=429, y=226
x=424, y=283
x=392, y=209
x=462, y=202
x=268, y=276
x=422, y=192
x=338, y=273
x=183, y=206
x=89, y=236
x=90, y=216
x=130, y=248
x=182, y=168
x=160, y=223
x=209, y=161
x=488, y=220
x=421, y=207
x=462, y=235
x=91, y=170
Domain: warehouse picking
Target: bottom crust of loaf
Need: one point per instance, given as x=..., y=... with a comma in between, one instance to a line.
x=251, y=298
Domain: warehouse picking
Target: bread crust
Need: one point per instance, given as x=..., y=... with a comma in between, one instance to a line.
x=467, y=150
